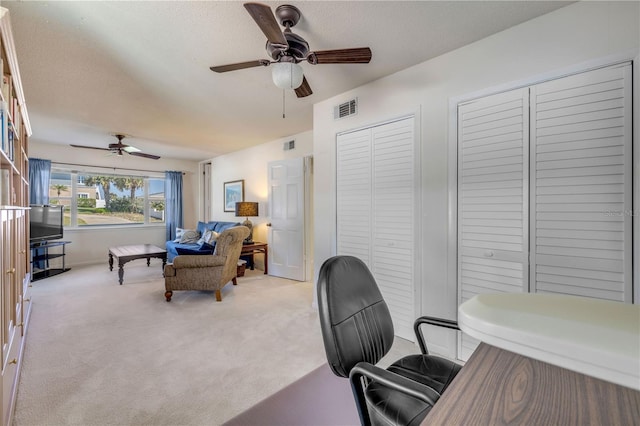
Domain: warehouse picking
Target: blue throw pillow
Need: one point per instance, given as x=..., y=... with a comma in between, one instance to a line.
x=202, y=226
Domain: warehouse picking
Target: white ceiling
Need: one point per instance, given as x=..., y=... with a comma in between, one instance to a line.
x=91, y=69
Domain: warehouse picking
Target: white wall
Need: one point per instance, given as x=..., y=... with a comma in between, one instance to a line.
x=92, y=245
x=578, y=33
x=251, y=165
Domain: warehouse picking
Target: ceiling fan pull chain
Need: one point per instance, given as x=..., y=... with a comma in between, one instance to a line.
x=283, y=103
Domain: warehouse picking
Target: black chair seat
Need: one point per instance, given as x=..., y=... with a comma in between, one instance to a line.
x=430, y=370
x=387, y=406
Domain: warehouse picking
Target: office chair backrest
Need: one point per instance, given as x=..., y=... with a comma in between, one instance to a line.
x=354, y=318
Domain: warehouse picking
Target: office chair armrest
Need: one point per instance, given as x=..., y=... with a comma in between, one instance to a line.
x=390, y=380
x=440, y=322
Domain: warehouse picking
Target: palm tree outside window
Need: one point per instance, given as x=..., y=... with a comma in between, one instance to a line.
x=108, y=199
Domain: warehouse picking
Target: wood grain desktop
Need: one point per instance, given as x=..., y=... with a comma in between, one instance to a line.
x=498, y=387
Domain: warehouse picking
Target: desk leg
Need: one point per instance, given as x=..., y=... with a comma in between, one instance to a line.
x=266, y=262
x=110, y=262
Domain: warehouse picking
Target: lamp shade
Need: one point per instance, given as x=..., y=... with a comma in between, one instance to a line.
x=287, y=75
x=246, y=208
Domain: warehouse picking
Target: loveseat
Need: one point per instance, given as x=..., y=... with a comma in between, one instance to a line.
x=199, y=246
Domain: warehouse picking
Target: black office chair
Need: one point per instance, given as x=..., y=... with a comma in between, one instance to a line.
x=357, y=332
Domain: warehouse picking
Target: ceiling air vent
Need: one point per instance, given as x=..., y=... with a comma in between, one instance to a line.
x=345, y=109
x=287, y=146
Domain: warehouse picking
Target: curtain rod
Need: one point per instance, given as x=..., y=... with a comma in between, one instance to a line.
x=105, y=167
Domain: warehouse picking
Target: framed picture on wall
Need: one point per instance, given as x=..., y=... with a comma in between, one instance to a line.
x=233, y=192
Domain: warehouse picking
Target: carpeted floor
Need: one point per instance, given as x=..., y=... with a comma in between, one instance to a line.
x=98, y=353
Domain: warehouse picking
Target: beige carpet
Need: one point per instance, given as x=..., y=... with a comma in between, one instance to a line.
x=98, y=353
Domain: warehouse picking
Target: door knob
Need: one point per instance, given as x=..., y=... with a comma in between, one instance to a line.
x=269, y=224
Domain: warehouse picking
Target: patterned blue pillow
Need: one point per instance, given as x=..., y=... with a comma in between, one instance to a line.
x=208, y=237
x=190, y=236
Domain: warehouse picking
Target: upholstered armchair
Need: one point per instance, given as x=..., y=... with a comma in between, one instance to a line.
x=207, y=272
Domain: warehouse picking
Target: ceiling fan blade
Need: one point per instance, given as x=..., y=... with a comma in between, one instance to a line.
x=118, y=145
x=304, y=89
x=90, y=147
x=262, y=14
x=142, y=154
x=240, y=65
x=357, y=55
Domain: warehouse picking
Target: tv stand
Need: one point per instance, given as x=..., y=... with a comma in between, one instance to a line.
x=40, y=257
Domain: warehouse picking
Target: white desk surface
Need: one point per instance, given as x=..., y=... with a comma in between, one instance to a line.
x=593, y=337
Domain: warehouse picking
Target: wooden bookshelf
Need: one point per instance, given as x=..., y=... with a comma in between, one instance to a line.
x=15, y=297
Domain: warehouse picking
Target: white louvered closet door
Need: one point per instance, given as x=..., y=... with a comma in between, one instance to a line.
x=581, y=185
x=395, y=255
x=353, y=192
x=493, y=172
x=377, y=185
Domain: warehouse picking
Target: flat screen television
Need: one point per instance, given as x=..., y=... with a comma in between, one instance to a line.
x=45, y=223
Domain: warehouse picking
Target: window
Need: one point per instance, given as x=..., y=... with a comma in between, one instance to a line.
x=93, y=199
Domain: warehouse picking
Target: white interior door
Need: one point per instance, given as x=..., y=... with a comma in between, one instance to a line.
x=286, y=215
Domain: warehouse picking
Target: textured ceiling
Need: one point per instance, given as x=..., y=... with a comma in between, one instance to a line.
x=91, y=69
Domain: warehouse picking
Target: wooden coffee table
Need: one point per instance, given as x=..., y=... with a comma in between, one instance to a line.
x=128, y=253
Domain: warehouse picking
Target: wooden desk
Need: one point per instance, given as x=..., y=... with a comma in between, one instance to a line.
x=598, y=338
x=545, y=360
x=254, y=248
x=500, y=387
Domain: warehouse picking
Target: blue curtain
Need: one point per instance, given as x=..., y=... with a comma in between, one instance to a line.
x=39, y=177
x=173, y=202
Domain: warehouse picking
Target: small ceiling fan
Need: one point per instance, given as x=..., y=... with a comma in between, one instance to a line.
x=119, y=148
x=288, y=49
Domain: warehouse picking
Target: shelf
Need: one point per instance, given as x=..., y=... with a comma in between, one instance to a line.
x=39, y=258
x=15, y=130
x=39, y=273
x=48, y=273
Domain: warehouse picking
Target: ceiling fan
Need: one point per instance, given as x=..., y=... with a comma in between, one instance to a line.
x=119, y=148
x=288, y=49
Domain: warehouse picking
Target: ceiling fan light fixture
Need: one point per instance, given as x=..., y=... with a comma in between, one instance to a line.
x=287, y=75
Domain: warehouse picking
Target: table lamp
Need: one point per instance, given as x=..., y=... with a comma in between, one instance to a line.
x=246, y=209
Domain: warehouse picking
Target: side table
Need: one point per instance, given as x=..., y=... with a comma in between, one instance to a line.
x=256, y=248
